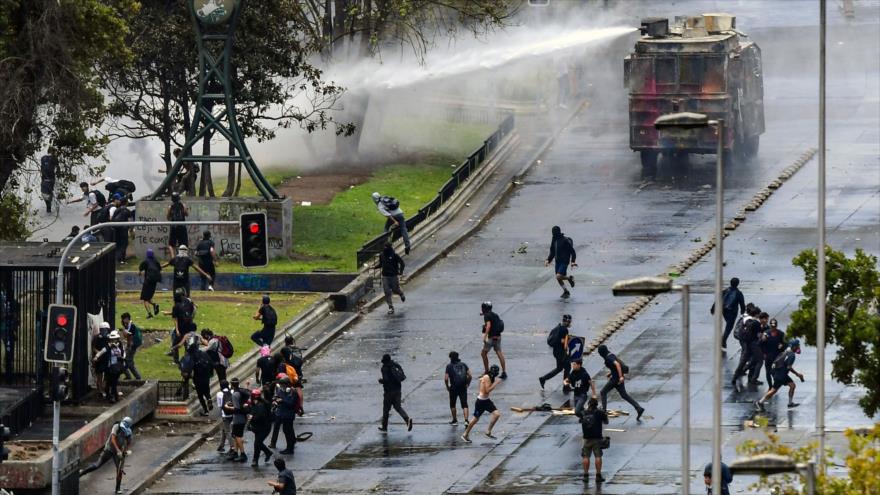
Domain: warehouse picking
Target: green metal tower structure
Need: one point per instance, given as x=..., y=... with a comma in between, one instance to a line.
x=214, y=22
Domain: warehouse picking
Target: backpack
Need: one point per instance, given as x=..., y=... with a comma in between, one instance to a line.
x=553, y=338
x=397, y=372
x=103, y=214
x=177, y=213
x=290, y=371
x=226, y=348
x=623, y=366
x=270, y=317
x=729, y=299
x=500, y=328
x=100, y=198
x=204, y=363
x=390, y=202
x=779, y=362
x=738, y=326
x=458, y=377
x=123, y=184
x=588, y=420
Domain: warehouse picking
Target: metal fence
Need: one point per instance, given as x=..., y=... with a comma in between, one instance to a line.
x=173, y=390
x=461, y=174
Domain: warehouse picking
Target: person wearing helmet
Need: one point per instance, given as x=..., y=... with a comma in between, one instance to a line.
x=492, y=328
x=151, y=271
x=484, y=404
x=115, y=360
x=562, y=250
x=180, y=274
x=260, y=417
x=177, y=212
x=118, y=442
x=389, y=207
x=782, y=366
x=100, y=356
x=558, y=342
x=206, y=255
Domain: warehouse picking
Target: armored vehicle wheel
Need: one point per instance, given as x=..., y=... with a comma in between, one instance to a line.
x=750, y=146
x=649, y=164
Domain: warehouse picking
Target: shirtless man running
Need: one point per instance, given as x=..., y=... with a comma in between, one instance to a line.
x=488, y=382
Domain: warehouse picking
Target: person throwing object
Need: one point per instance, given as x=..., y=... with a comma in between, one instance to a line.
x=389, y=207
x=115, y=448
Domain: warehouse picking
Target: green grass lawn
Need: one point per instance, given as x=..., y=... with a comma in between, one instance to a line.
x=226, y=313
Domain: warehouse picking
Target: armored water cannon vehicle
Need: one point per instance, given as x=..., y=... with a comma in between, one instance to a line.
x=700, y=64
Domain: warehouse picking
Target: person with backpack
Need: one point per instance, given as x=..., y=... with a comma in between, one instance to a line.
x=206, y=254
x=287, y=406
x=219, y=349
x=782, y=366
x=750, y=358
x=115, y=359
x=267, y=367
x=48, y=172
x=203, y=371
x=484, y=404
x=223, y=397
x=118, y=442
x=591, y=427
x=291, y=355
x=392, y=378
x=616, y=376
x=119, y=213
x=260, y=421
x=457, y=379
x=562, y=250
x=389, y=207
x=734, y=305
x=123, y=187
x=265, y=313
x=181, y=264
x=94, y=199
x=183, y=313
x=103, y=215
x=558, y=342
x=492, y=328
x=238, y=408
x=100, y=357
x=177, y=234
x=392, y=266
x=151, y=272
x=772, y=345
x=580, y=382
x=134, y=340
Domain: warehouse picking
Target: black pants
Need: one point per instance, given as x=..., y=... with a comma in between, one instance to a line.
x=260, y=434
x=562, y=364
x=106, y=455
x=112, y=378
x=203, y=391
x=749, y=361
x=729, y=321
x=768, y=369
x=392, y=399
x=221, y=371
x=621, y=389
x=210, y=270
x=285, y=425
x=262, y=337
x=121, y=238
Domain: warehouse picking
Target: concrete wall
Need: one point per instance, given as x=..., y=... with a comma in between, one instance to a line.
x=254, y=282
x=279, y=215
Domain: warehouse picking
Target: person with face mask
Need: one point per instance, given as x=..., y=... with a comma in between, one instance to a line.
x=562, y=250
x=118, y=442
x=558, y=341
x=782, y=366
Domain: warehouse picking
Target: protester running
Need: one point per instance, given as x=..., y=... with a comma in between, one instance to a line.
x=457, y=380
x=782, y=366
x=493, y=326
x=392, y=266
x=392, y=378
x=134, y=340
x=94, y=199
x=562, y=250
x=389, y=207
x=484, y=404
x=750, y=358
x=772, y=344
x=734, y=304
x=616, y=377
x=207, y=255
x=151, y=272
x=580, y=382
x=558, y=341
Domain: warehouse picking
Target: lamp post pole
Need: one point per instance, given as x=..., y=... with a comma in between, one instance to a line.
x=719, y=273
x=820, y=255
x=685, y=388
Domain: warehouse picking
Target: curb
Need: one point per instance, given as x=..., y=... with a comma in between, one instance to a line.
x=160, y=471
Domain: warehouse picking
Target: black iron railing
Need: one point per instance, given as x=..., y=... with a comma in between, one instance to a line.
x=461, y=174
x=173, y=391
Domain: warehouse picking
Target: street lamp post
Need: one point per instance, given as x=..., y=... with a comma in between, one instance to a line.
x=769, y=464
x=689, y=120
x=648, y=286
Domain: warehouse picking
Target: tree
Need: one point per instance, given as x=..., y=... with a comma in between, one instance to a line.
x=852, y=319
x=49, y=53
x=275, y=84
x=862, y=463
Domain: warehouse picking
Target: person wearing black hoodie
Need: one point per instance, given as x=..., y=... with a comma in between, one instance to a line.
x=562, y=250
x=260, y=418
x=392, y=266
x=391, y=386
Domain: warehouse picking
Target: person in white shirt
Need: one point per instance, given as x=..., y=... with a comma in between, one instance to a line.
x=224, y=396
x=389, y=207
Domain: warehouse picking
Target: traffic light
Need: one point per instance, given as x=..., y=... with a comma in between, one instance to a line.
x=60, y=332
x=5, y=436
x=59, y=384
x=254, y=241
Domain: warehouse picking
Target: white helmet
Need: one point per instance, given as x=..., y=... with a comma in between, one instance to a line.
x=106, y=325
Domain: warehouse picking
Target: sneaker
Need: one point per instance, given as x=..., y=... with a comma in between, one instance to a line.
x=268, y=458
x=542, y=381
x=454, y=422
x=211, y=288
x=406, y=250
x=203, y=413
x=586, y=478
x=149, y=315
x=466, y=439
x=639, y=415
x=759, y=405
x=156, y=309
x=391, y=310
x=490, y=435
x=565, y=294
x=383, y=430
x=571, y=280
x=409, y=424
x=286, y=452
x=503, y=375
x=254, y=464
x=402, y=297
x=793, y=404
x=599, y=478
x=241, y=458
x=733, y=382
x=756, y=382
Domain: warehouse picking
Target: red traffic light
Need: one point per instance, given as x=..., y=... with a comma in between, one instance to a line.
x=254, y=228
x=61, y=320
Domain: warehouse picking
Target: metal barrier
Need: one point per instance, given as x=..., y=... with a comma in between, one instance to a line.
x=19, y=416
x=460, y=175
x=173, y=390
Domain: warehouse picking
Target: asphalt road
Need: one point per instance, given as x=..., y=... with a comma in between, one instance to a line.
x=589, y=184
